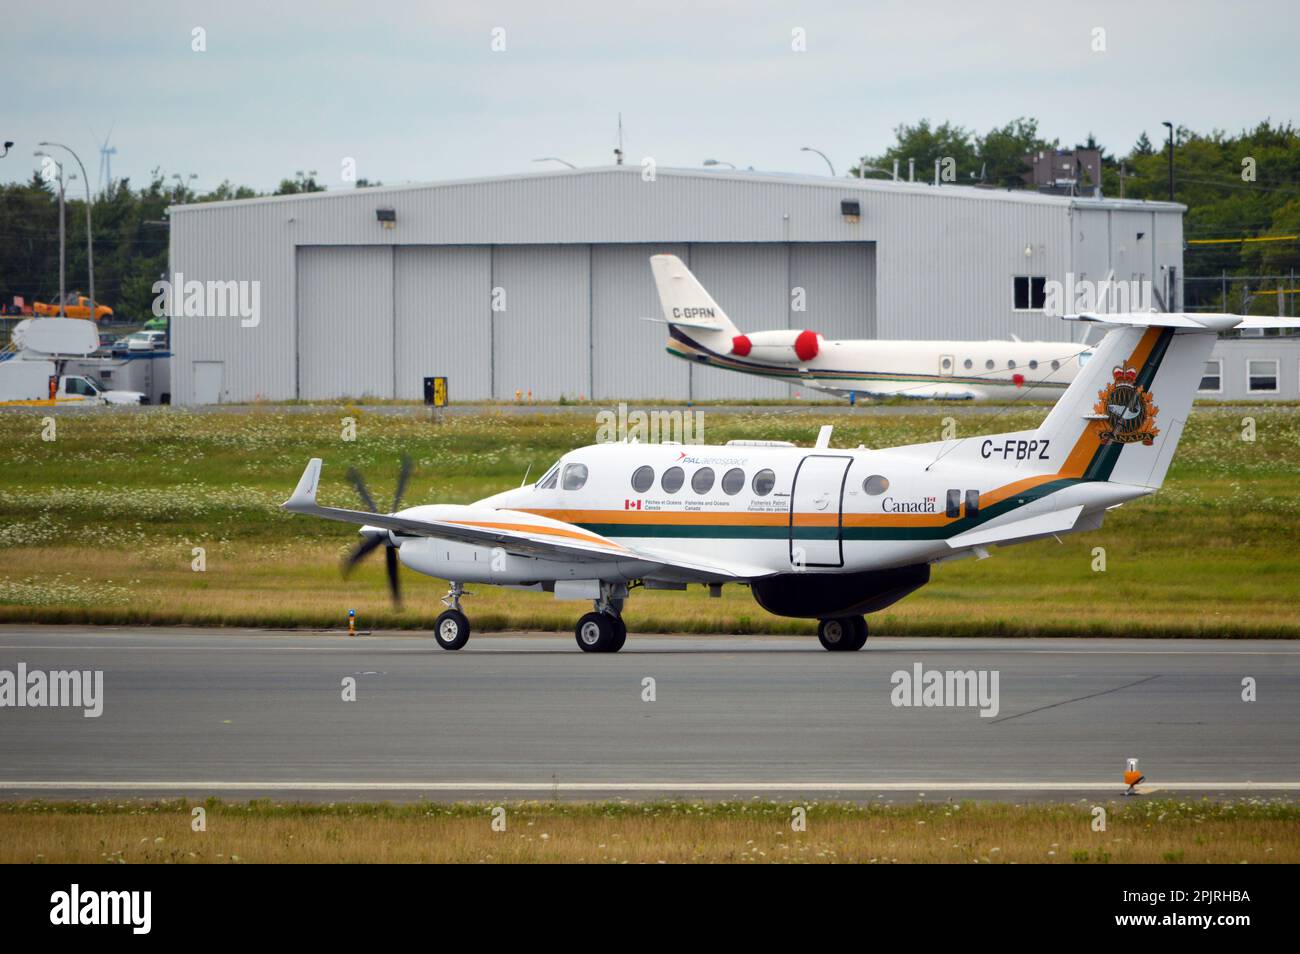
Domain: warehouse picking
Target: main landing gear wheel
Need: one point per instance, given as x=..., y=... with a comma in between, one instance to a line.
x=451, y=629
x=842, y=633
x=600, y=633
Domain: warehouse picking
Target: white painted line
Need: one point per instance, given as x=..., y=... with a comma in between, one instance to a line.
x=575, y=787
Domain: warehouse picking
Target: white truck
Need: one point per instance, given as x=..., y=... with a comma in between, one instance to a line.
x=38, y=382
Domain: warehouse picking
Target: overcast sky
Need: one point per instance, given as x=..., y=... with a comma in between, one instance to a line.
x=414, y=92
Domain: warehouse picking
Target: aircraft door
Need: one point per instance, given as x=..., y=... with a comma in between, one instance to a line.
x=816, y=511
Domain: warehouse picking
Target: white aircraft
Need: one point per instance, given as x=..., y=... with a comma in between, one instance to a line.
x=700, y=331
x=822, y=533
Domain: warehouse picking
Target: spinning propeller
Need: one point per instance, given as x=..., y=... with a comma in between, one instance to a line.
x=374, y=537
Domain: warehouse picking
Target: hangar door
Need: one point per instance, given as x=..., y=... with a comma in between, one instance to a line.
x=345, y=322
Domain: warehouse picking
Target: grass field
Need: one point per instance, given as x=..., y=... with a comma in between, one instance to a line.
x=98, y=526
x=1138, y=831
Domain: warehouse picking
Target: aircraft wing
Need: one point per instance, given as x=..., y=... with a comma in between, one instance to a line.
x=518, y=532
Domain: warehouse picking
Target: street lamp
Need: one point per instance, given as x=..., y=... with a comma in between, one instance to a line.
x=63, y=249
x=556, y=159
x=822, y=154
x=719, y=162
x=1171, y=159
x=90, y=245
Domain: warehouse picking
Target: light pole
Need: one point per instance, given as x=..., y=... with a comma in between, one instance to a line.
x=1171, y=159
x=90, y=245
x=822, y=154
x=719, y=162
x=556, y=159
x=62, y=231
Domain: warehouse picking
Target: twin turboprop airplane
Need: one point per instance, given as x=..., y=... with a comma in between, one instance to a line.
x=700, y=331
x=821, y=532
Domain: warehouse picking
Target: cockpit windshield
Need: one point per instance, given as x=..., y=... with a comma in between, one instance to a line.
x=548, y=479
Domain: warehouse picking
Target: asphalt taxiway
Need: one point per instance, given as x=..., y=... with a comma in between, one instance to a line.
x=248, y=713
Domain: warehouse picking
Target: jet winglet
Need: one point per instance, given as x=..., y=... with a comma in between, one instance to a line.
x=304, y=495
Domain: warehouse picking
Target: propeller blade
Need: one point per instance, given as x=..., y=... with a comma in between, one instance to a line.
x=354, y=476
x=390, y=559
x=359, y=553
x=403, y=476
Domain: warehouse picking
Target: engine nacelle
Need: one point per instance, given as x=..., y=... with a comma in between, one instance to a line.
x=827, y=595
x=783, y=346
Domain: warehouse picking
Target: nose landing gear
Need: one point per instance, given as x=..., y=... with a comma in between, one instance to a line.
x=451, y=629
x=843, y=633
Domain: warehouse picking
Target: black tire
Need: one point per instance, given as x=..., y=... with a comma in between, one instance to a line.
x=622, y=635
x=837, y=634
x=597, y=633
x=859, y=633
x=451, y=629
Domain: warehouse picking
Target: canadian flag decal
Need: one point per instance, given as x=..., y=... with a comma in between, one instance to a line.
x=631, y=504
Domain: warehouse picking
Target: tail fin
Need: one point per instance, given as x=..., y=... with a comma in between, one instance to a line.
x=1122, y=416
x=685, y=301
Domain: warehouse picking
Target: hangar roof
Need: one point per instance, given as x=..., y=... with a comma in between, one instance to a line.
x=840, y=184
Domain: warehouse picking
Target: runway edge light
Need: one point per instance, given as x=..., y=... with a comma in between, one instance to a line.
x=1132, y=777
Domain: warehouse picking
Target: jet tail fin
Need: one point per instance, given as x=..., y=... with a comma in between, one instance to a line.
x=684, y=300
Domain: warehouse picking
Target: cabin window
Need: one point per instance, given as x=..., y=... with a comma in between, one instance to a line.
x=954, y=503
x=1033, y=365
x=1261, y=376
x=733, y=481
x=1011, y=365
x=988, y=365
x=1056, y=365
x=702, y=480
x=875, y=485
x=575, y=475
x=972, y=502
x=1030, y=293
x=968, y=364
x=763, y=483
x=672, y=480
x=643, y=478
x=1212, y=377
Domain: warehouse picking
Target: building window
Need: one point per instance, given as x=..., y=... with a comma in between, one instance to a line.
x=1030, y=293
x=702, y=480
x=1212, y=377
x=643, y=479
x=672, y=480
x=1261, y=376
x=733, y=481
x=763, y=483
x=954, y=503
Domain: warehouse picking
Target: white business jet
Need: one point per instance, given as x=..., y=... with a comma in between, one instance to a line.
x=815, y=532
x=700, y=331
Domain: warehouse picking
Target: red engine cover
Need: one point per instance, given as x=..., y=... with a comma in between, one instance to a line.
x=805, y=346
x=740, y=345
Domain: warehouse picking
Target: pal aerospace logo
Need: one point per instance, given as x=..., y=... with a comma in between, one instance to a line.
x=1125, y=412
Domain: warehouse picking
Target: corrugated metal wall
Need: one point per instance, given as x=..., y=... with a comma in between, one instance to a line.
x=565, y=247
x=345, y=323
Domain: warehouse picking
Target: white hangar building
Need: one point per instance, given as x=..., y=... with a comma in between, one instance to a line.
x=537, y=282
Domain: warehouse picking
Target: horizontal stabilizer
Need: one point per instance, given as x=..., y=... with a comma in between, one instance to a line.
x=1206, y=321
x=1040, y=526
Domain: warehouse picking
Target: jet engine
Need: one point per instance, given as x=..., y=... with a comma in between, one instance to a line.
x=786, y=346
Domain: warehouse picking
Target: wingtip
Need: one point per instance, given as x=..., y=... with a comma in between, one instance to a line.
x=304, y=495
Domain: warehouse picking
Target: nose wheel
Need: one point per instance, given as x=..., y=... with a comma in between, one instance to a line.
x=843, y=633
x=451, y=628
